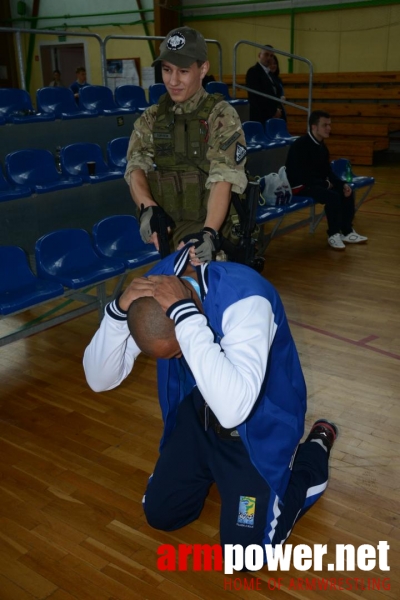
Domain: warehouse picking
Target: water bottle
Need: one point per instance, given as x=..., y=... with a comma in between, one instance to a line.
x=349, y=174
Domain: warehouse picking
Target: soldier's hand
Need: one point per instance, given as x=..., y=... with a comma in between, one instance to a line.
x=148, y=220
x=205, y=242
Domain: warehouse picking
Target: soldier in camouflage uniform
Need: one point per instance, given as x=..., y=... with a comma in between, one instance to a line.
x=186, y=154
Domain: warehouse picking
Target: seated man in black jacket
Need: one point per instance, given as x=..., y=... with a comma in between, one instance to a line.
x=310, y=173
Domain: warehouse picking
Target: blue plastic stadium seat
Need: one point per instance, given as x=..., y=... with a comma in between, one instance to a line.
x=118, y=237
x=74, y=159
x=276, y=130
x=256, y=139
x=16, y=107
x=297, y=203
x=155, y=91
x=339, y=167
x=268, y=213
x=60, y=103
x=12, y=192
x=116, y=153
x=100, y=98
x=131, y=97
x=19, y=288
x=37, y=170
x=67, y=256
x=219, y=87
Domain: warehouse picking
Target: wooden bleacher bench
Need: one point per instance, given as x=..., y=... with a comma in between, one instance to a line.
x=365, y=108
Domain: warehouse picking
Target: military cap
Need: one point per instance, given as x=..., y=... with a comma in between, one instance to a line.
x=182, y=47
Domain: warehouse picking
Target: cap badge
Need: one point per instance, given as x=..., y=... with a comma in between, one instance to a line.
x=176, y=42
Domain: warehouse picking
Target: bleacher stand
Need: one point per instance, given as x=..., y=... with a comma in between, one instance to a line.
x=37, y=170
x=74, y=159
x=118, y=237
x=16, y=107
x=131, y=97
x=60, y=103
x=100, y=98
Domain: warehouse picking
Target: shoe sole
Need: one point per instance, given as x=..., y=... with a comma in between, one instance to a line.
x=350, y=242
x=337, y=249
x=331, y=425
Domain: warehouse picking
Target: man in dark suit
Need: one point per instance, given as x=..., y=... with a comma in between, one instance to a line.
x=260, y=79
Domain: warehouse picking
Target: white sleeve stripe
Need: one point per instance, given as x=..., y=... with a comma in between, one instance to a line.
x=181, y=310
x=115, y=312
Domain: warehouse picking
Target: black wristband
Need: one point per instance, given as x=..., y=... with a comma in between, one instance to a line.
x=212, y=231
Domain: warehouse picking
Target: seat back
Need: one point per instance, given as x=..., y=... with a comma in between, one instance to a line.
x=75, y=156
x=31, y=167
x=276, y=129
x=56, y=100
x=339, y=167
x=13, y=100
x=117, y=235
x=130, y=96
x=96, y=97
x=254, y=133
x=14, y=269
x=218, y=87
x=116, y=152
x=155, y=91
x=63, y=251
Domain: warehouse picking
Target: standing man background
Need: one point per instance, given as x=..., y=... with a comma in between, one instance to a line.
x=186, y=154
x=260, y=79
x=309, y=171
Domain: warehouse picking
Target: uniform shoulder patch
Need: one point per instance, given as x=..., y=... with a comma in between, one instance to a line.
x=240, y=153
x=229, y=142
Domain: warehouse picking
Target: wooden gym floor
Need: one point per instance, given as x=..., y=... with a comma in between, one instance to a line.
x=74, y=464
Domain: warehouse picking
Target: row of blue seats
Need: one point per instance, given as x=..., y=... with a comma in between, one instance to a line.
x=70, y=258
x=67, y=257
x=35, y=171
x=59, y=103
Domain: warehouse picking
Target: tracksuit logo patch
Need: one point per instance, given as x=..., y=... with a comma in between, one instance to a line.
x=247, y=511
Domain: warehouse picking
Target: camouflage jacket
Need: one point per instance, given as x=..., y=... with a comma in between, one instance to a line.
x=226, y=144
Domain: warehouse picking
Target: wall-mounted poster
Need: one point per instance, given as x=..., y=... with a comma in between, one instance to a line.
x=121, y=71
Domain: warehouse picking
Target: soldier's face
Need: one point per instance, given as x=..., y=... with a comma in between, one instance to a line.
x=183, y=83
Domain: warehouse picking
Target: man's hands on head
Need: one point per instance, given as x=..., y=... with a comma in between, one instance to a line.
x=169, y=289
x=139, y=287
x=166, y=289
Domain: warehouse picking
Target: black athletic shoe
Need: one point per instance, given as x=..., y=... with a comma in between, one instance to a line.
x=325, y=431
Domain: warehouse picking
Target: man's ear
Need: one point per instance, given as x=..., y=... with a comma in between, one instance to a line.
x=204, y=69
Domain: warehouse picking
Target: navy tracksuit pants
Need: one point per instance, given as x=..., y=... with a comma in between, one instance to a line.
x=192, y=459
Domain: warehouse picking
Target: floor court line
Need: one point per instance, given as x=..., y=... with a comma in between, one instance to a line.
x=363, y=343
